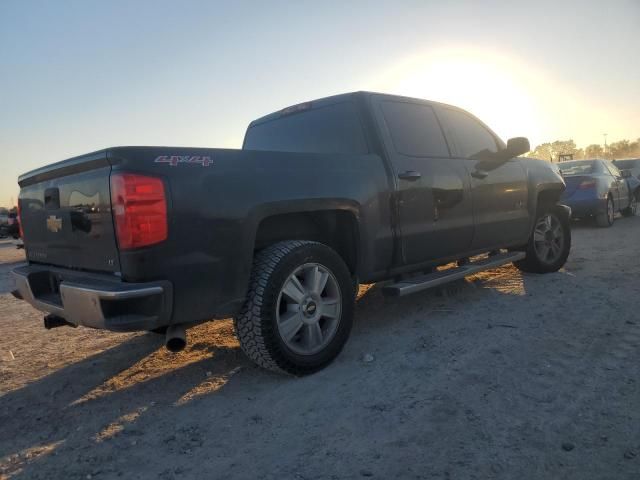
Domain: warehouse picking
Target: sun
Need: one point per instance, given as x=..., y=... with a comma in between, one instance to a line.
x=495, y=88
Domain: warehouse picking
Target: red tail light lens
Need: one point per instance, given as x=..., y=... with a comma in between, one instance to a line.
x=587, y=184
x=139, y=210
x=20, y=221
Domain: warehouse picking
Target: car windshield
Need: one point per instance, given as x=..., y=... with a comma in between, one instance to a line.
x=584, y=167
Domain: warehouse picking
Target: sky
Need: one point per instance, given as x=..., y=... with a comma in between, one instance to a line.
x=78, y=76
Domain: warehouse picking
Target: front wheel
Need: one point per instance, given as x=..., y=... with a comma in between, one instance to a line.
x=299, y=309
x=549, y=244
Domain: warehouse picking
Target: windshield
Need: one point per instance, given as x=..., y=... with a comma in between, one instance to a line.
x=584, y=167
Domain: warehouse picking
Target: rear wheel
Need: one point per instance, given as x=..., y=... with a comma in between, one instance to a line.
x=299, y=309
x=606, y=218
x=549, y=244
x=632, y=209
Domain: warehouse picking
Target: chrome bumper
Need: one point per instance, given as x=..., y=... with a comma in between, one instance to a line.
x=92, y=300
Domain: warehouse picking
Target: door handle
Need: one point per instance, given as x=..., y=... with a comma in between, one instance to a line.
x=409, y=175
x=479, y=174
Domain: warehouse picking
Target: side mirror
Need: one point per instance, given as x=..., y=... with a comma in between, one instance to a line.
x=517, y=146
x=626, y=173
x=488, y=160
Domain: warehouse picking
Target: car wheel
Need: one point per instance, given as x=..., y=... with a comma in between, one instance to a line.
x=549, y=244
x=632, y=209
x=299, y=309
x=606, y=218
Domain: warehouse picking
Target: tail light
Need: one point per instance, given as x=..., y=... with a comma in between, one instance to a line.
x=587, y=184
x=139, y=209
x=19, y=218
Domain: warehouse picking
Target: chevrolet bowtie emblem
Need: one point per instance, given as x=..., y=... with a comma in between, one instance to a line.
x=54, y=224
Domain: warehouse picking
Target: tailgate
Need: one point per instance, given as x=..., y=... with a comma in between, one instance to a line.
x=66, y=214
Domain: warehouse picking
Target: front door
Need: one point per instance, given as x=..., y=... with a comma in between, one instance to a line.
x=499, y=196
x=433, y=199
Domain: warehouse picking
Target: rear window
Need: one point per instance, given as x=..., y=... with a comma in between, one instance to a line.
x=578, y=168
x=414, y=129
x=332, y=128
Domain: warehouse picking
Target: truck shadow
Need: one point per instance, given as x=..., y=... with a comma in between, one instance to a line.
x=105, y=396
x=76, y=417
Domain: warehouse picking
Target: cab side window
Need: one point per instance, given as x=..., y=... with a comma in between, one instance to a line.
x=468, y=137
x=414, y=129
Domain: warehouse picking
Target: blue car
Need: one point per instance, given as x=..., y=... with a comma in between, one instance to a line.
x=596, y=188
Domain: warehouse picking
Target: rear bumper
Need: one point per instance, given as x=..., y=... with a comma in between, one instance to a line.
x=93, y=300
x=586, y=207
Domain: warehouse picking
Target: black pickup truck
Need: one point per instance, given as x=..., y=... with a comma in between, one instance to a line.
x=360, y=187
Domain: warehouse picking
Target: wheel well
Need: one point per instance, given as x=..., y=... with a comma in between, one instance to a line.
x=547, y=198
x=337, y=229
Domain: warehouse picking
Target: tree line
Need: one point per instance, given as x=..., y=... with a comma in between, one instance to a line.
x=616, y=150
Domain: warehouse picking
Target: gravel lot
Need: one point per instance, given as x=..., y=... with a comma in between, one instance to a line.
x=502, y=375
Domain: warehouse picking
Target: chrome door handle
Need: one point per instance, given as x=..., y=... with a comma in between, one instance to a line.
x=409, y=175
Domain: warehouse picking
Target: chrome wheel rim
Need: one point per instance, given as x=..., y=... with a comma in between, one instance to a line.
x=548, y=238
x=610, y=212
x=634, y=204
x=308, y=309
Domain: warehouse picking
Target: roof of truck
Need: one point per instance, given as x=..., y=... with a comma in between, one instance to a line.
x=330, y=100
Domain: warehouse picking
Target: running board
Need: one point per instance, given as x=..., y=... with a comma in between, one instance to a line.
x=430, y=280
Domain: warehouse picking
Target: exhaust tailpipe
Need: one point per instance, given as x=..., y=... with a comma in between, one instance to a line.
x=176, y=338
x=54, y=321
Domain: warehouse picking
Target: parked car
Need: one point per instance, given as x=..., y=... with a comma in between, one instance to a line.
x=596, y=188
x=357, y=187
x=629, y=164
x=13, y=224
x=11, y=228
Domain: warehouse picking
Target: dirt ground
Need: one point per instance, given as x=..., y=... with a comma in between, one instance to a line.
x=503, y=375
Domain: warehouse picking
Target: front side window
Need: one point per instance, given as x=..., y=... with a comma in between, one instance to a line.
x=468, y=135
x=414, y=129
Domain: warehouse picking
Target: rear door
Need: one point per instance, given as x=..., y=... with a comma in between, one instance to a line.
x=433, y=200
x=499, y=199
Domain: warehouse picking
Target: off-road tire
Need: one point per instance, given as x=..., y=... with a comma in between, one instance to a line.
x=532, y=263
x=256, y=326
x=605, y=219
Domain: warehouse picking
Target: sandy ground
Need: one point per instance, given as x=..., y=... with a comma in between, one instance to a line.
x=503, y=375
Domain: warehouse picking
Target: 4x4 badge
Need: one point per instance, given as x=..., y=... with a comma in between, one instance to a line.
x=54, y=224
x=174, y=160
